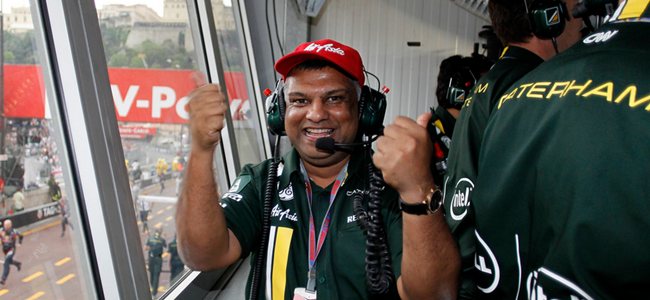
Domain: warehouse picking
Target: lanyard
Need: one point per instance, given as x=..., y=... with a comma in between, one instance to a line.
x=316, y=245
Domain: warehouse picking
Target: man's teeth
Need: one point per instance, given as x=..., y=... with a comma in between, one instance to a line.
x=319, y=131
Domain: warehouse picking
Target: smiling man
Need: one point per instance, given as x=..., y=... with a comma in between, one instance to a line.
x=315, y=245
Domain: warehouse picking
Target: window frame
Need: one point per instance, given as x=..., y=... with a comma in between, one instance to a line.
x=74, y=49
x=96, y=157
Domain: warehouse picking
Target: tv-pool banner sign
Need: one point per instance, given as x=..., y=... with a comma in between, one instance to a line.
x=139, y=95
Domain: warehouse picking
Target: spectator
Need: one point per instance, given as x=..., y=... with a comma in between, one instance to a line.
x=161, y=170
x=9, y=237
x=65, y=214
x=55, y=190
x=144, y=207
x=18, y=200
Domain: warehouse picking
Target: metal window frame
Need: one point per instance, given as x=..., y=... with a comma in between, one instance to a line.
x=81, y=83
x=96, y=155
x=81, y=240
x=209, y=56
x=239, y=8
x=196, y=285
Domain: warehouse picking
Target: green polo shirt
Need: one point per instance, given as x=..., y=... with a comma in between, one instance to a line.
x=563, y=196
x=340, y=266
x=465, y=147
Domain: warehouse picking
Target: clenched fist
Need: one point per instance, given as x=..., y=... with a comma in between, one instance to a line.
x=208, y=108
x=403, y=155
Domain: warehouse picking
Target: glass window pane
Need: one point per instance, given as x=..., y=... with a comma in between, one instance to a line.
x=152, y=66
x=37, y=196
x=243, y=110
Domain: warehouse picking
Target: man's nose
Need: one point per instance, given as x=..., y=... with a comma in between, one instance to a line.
x=317, y=111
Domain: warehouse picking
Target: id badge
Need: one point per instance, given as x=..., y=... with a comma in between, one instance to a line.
x=303, y=294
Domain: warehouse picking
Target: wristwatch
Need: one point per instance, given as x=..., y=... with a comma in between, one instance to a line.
x=428, y=206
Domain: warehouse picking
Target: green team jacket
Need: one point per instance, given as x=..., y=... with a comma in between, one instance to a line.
x=562, y=202
x=340, y=265
x=462, y=169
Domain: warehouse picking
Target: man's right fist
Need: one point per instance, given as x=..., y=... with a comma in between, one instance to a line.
x=207, y=108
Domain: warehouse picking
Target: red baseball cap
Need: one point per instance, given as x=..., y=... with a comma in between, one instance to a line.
x=345, y=57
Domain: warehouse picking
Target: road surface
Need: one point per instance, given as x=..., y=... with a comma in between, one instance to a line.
x=50, y=269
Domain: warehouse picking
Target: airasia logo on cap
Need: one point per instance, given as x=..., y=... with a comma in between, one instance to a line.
x=327, y=47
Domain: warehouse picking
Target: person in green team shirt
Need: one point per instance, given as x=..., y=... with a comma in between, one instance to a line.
x=563, y=200
x=525, y=51
x=321, y=87
x=456, y=79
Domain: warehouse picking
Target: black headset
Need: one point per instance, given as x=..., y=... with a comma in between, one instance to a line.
x=547, y=18
x=460, y=84
x=372, y=108
x=600, y=8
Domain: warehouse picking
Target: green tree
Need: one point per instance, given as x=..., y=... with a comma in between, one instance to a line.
x=137, y=62
x=114, y=40
x=167, y=55
x=19, y=47
x=118, y=60
x=9, y=57
x=170, y=54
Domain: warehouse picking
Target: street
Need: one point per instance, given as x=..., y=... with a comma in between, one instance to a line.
x=49, y=269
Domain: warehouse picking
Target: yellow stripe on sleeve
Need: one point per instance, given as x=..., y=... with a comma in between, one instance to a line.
x=280, y=258
x=438, y=124
x=633, y=9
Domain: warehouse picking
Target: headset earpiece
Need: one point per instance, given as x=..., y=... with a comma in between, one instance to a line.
x=547, y=18
x=460, y=84
x=275, y=107
x=372, y=108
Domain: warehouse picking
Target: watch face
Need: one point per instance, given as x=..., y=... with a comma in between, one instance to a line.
x=430, y=206
x=436, y=201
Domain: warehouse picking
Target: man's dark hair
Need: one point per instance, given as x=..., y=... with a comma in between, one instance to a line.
x=510, y=20
x=492, y=44
x=459, y=69
x=479, y=64
x=448, y=67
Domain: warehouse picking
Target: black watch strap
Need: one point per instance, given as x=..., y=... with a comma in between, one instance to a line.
x=427, y=207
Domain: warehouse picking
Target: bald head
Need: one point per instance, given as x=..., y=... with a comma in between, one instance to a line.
x=7, y=224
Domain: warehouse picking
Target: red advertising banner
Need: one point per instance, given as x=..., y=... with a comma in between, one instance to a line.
x=24, y=95
x=139, y=95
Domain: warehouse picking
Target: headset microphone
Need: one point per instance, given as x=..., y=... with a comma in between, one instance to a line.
x=328, y=144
